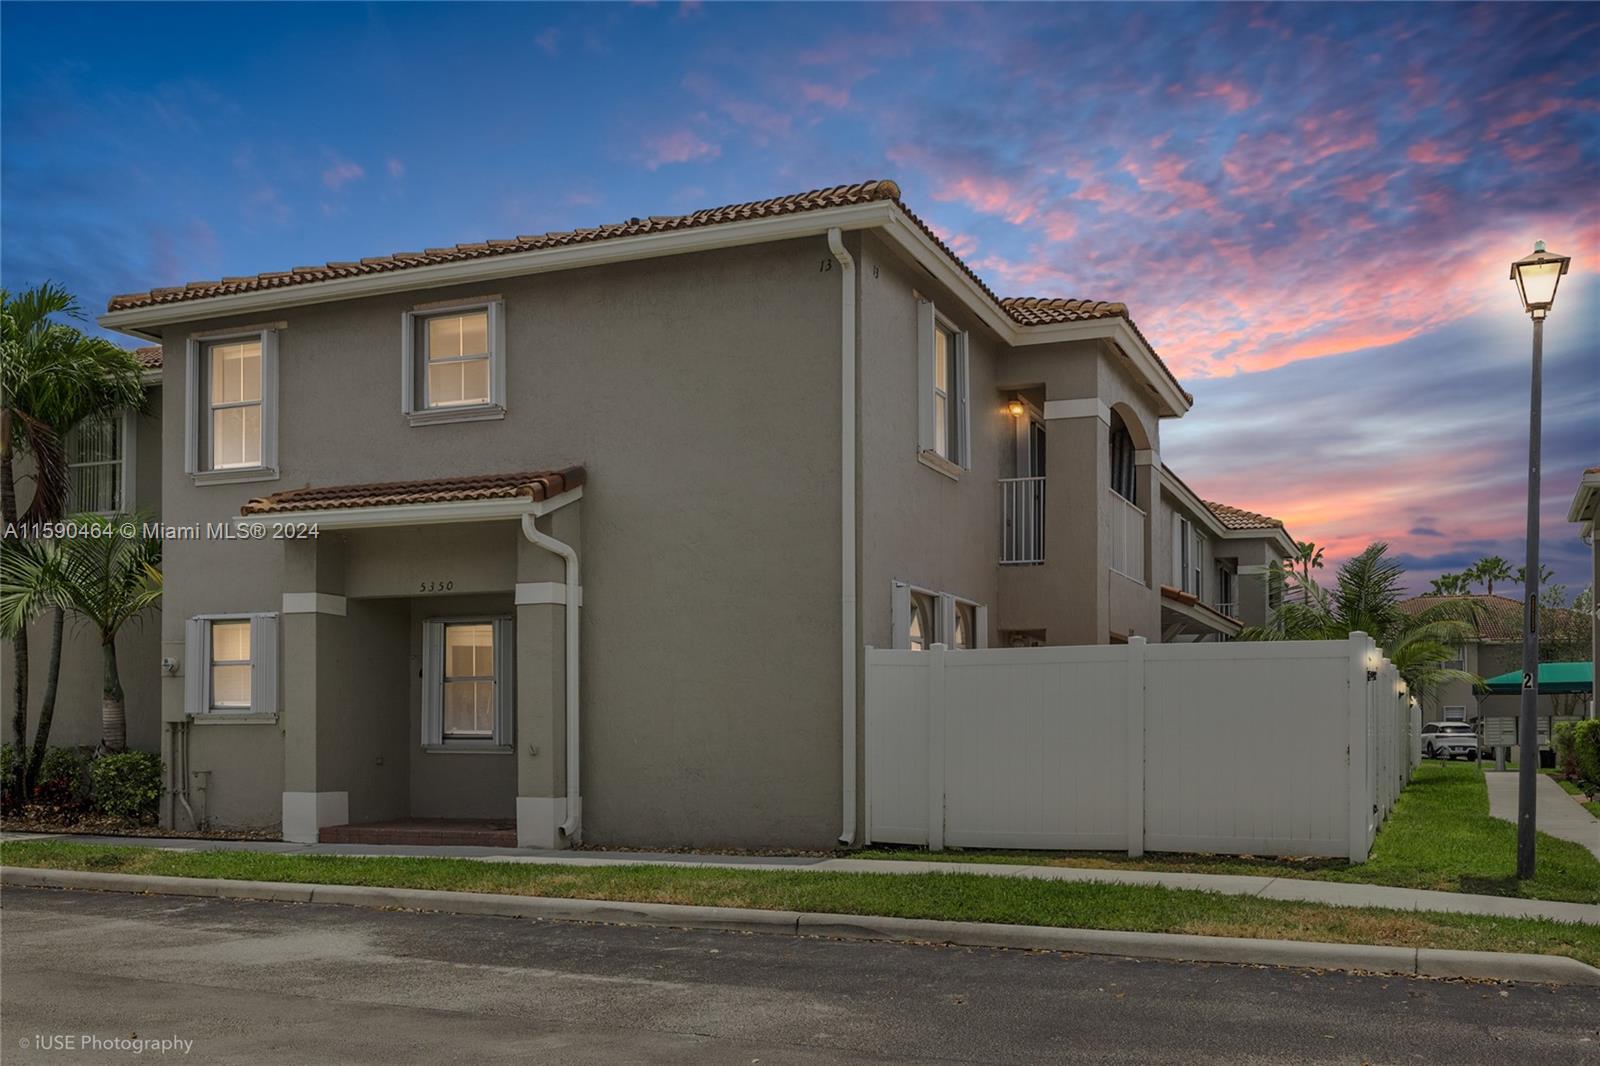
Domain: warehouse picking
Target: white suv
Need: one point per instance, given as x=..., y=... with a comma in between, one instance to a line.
x=1446, y=740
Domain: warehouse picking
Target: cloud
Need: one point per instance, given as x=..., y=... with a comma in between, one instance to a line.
x=828, y=95
x=677, y=146
x=1432, y=153
x=341, y=172
x=396, y=168
x=548, y=39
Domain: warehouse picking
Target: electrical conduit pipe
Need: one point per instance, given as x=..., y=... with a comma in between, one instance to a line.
x=847, y=529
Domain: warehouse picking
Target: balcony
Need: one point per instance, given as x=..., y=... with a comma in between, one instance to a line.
x=1229, y=608
x=1127, y=536
x=1021, y=521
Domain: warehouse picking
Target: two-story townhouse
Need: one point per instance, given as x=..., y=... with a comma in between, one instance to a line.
x=114, y=465
x=587, y=531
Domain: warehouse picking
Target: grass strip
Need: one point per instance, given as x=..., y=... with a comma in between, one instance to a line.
x=1439, y=836
x=952, y=896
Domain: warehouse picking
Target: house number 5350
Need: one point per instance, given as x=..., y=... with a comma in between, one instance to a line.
x=436, y=586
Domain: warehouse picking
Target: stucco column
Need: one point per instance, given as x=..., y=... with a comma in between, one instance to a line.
x=1077, y=534
x=312, y=619
x=541, y=735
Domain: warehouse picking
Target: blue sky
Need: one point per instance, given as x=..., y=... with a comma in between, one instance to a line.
x=1309, y=208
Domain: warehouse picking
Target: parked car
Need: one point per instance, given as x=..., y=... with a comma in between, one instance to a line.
x=1446, y=740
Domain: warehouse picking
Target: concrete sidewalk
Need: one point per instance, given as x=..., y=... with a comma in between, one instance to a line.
x=1555, y=812
x=1332, y=893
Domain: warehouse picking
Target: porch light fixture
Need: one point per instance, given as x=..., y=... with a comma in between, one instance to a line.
x=1016, y=408
x=1537, y=276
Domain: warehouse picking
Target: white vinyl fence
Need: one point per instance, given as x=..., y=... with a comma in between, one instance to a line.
x=1259, y=748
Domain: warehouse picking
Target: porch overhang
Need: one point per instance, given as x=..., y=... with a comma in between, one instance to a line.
x=481, y=498
x=1184, y=615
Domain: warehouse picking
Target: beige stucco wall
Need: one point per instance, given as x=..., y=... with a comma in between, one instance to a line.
x=701, y=393
x=77, y=714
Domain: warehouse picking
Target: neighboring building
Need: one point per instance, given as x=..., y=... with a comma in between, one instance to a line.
x=770, y=434
x=1497, y=649
x=115, y=466
x=1586, y=511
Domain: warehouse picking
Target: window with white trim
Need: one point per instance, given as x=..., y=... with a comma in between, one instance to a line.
x=232, y=431
x=231, y=665
x=468, y=698
x=100, y=463
x=453, y=362
x=1187, y=556
x=922, y=618
x=944, y=427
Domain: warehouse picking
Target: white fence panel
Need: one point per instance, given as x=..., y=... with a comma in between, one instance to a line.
x=1272, y=748
x=1245, y=748
x=1035, y=751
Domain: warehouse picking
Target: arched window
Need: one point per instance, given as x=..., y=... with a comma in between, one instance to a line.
x=1123, y=481
x=921, y=624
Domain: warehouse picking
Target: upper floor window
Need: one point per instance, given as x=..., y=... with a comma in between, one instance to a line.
x=1187, y=556
x=100, y=463
x=232, y=432
x=1124, y=482
x=944, y=427
x=454, y=362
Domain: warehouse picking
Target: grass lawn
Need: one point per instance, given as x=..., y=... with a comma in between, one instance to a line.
x=950, y=896
x=1571, y=788
x=1440, y=835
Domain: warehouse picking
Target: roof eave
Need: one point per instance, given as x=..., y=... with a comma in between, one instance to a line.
x=136, y=320
x=1586, y=502
x=410, y=514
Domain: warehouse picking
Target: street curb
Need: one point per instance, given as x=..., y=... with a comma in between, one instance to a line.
x=1418, y=962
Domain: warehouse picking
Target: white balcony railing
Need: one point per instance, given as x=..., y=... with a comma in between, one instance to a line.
x=1127, y=536
x=1021, y=520
x=1228, y=608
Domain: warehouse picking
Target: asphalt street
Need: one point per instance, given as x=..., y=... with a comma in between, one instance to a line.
x=256, y=983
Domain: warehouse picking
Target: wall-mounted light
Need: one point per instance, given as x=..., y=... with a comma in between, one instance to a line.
x=1016, y=408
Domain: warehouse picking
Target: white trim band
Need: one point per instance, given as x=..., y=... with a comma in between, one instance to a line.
x=1086, y=408
x=530, y=593
x=313, y=603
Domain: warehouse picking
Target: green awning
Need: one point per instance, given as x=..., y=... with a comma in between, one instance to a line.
x=1553, y=678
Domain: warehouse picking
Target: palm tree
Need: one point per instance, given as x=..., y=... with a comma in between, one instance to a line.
x=108, y=572
x=1491, y=569
x=1366, y=597
x=52, y=376
x=1444, y=585
x=1308, y=557
x=1520, y=576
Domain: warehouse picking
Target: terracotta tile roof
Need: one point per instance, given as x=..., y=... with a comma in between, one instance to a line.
x=538, y=485
x=1239, y=518
x=1499, y=617
x=1026, y=311
x=837, y=196
x=149, y=358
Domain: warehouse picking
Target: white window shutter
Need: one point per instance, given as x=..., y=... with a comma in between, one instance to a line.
x=964, y=407
x=408, y=367
x=264, y=664
x=505, y=681
x=196, y=664
x=194, y=407
x=925, y=327
x=980, y=615
x=128, y=426
x=900, y=614
x=497, y=351
x=269, y=399
x=947, y=620
x=432, y=678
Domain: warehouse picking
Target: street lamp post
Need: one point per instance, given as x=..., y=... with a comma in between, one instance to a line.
x=1536, y=276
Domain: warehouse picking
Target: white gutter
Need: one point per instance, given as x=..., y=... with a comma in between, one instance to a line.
x=847, y=529
x=572, y=828
x=416, y=514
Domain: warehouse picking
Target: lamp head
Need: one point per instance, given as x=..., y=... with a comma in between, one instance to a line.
x=1537, y=276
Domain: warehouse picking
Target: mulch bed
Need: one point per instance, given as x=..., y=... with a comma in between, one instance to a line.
x=36, y=820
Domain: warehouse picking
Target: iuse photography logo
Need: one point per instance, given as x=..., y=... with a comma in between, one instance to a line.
x=132, y=1044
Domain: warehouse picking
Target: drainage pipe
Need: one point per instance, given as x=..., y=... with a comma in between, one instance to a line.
x=572, y=828
x=847, y=530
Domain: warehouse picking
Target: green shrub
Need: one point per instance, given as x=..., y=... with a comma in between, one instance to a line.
x=63, y=780
x=127, y=785
x=1586, y=741
x=8, y=766
x=1564, y=740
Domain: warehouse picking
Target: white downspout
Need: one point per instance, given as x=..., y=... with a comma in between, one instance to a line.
x=847, y=527
x=572, y=828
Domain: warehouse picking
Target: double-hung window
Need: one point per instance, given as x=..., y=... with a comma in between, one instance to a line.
x=1187, y=556
x=232, y=432
x=454, y=362
x=231, y=666
x=944, y=427
x=100, y=463
x=923, y=618
x=469, y=698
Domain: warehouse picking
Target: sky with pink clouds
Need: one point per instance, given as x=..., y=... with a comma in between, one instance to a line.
x=1310, y=209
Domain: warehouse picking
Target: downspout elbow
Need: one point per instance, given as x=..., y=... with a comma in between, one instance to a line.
x=572, y=826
